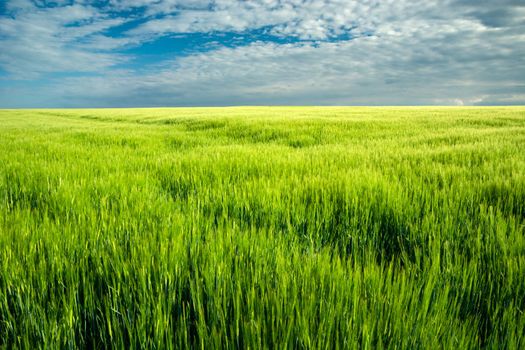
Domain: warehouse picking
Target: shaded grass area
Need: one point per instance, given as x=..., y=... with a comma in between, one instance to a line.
x=263, y=228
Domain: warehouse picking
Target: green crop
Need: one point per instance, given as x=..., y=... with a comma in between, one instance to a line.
x=263, y=228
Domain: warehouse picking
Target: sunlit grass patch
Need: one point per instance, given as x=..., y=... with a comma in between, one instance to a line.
x=256, y=227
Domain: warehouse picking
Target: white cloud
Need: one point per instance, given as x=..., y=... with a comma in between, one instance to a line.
x=373, y=70
x=59, y=39
x=401, y=52
x=308, y=19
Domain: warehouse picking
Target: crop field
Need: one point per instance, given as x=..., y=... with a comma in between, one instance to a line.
x=263, y=228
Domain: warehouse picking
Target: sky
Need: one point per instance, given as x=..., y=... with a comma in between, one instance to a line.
x=160, y=53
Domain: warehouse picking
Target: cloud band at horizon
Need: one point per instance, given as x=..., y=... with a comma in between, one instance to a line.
x=146, y=53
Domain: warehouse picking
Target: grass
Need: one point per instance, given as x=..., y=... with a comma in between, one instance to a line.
x=263, y=228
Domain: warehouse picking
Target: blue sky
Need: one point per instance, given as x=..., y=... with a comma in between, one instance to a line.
x=145, y=53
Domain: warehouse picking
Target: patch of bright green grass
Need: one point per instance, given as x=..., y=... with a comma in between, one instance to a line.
x=263, y=228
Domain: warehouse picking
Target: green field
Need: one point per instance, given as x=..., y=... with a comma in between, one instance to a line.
x=263, y=228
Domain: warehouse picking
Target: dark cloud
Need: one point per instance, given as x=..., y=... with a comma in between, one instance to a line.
x=499, y=18
x=496, y=14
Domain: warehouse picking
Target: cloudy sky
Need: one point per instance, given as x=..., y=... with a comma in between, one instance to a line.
x=126, y=53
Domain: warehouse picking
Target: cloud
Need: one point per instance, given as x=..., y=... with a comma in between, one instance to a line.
x=59, y=39
x=307, y=20
x=364, y=71
x=344, y=52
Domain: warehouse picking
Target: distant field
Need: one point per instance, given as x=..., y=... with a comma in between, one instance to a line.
x=263, y=228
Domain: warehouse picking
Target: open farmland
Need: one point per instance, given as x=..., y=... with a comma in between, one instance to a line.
x=282, y=227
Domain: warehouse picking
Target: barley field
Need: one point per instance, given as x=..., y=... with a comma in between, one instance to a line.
x=263, y=228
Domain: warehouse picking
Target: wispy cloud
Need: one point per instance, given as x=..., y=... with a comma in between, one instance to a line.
x=60, y=39
x=342, y=52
